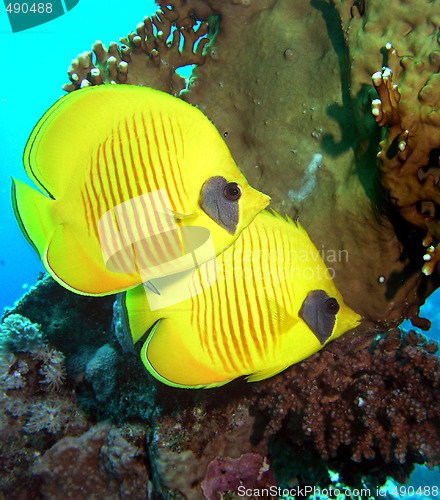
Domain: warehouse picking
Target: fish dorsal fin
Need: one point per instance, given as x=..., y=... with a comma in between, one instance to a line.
x=276, y=214
x=52, y=153
x=64, y=142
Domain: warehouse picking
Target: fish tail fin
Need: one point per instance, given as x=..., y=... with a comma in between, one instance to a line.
x=35, y=215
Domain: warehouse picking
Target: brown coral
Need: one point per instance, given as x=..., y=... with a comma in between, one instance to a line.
x=378, y=397
x=409, y=154
x=366, y=407
x=404, y=37
x=105, y=462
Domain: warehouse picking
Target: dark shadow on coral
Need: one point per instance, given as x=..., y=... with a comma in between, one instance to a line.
x=358, y=128
x=342, y=114
x=412, y=253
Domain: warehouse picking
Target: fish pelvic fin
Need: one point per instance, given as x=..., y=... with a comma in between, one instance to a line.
x=138, y=317
x=35, y=215
x=264, y=374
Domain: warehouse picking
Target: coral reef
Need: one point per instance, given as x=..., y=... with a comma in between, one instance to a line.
x=223, y=475
x=374, y=403
x=402, y=39
x=366, y=408
x=106, y=462
x=36, y=406
x=367, y=405
x=145, y=56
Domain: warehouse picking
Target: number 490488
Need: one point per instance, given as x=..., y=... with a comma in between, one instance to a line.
x=25, y=8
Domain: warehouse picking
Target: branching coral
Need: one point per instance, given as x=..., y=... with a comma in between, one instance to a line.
x=148, y=56
x=35, y=403
x=365, y=407
x=372, y=404
x=409, y=153
x=20, y=334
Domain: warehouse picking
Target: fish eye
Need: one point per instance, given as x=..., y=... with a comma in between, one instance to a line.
x=331, y=306
x=232, y=191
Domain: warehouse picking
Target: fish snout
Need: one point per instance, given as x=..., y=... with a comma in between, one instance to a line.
x=256, y=199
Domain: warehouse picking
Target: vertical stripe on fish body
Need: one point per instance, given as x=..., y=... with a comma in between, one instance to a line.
x=123, y=168
x=265, y=311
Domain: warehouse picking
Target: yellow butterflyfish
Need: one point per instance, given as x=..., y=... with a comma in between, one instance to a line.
x=131, y=179
x=273, y=304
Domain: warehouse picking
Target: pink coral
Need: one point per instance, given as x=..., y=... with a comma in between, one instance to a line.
x=223, y=475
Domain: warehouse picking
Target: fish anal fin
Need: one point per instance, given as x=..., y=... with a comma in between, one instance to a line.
x=78, y=265
x=138, y=317
x=172, y=355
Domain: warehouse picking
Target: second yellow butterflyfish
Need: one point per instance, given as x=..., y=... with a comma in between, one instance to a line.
x=273, y=303
x=131, y=179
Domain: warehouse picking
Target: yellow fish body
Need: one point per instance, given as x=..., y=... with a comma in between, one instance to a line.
x=126, y=146
x=273, y=304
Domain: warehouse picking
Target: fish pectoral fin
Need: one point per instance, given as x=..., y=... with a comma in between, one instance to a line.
x=278, y=315
x=173, y=355
x=179, y=217
x=267, y=373
x=150, y=285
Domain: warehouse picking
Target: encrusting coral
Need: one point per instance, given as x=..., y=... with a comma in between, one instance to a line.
x=402, y=39
x=104, y=462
